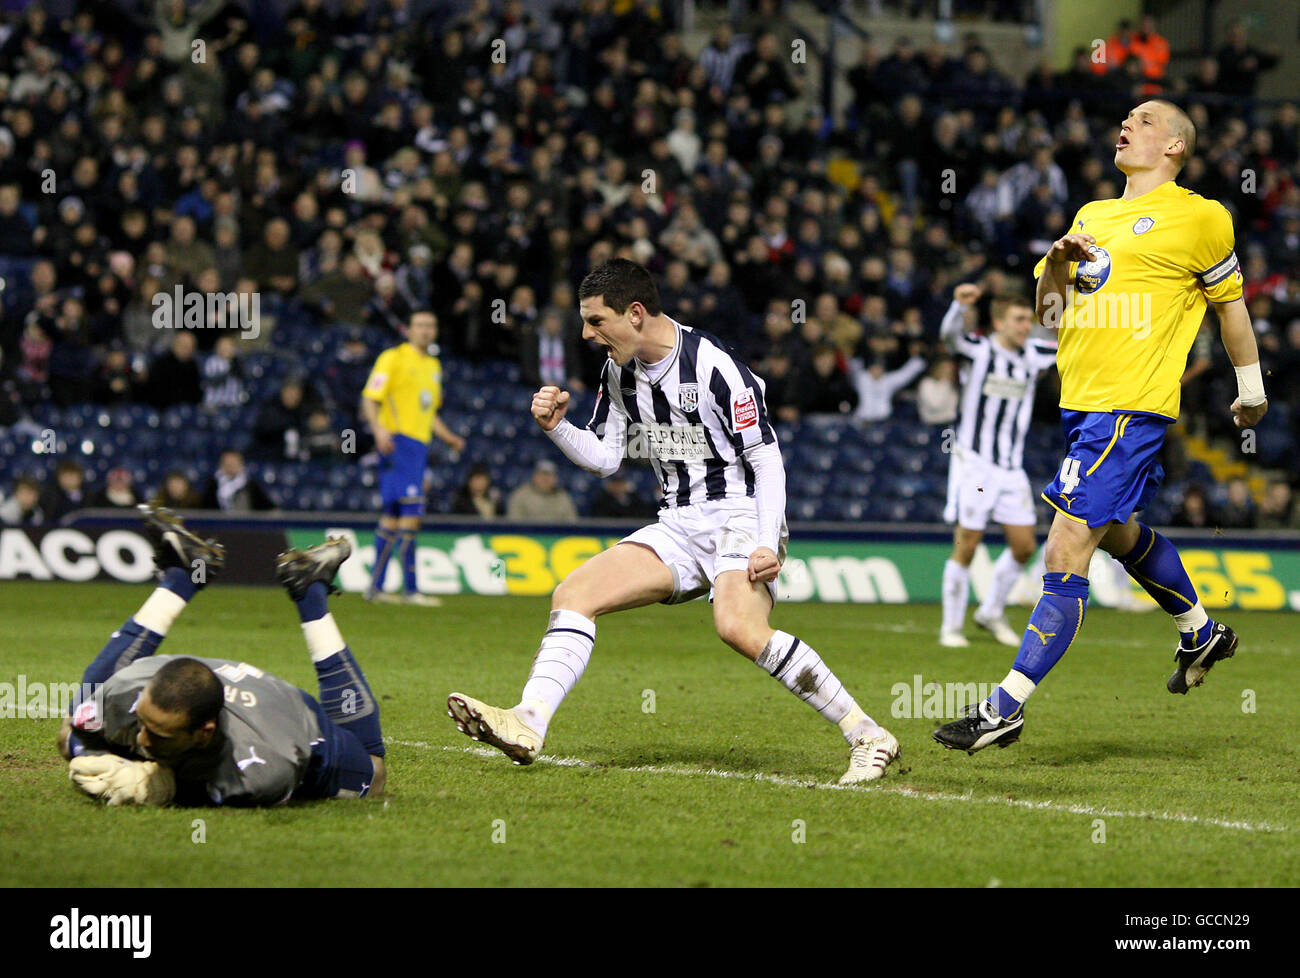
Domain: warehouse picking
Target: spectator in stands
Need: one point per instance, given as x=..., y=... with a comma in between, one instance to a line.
x=1195, y=510
x=115, y=380
x=876, y=385
x=320, y=441
x=118, y=492
x=826, y=388
x=66, y=493
x=341, y=294
x=278, y=430
x=541, y=499
x=175, y=492
x=173, y=377
x=273, y=262
x=618, y=499
x=478, y=496
x=233, y=490
x=1241, y=64
x=1238, y=512
x=223, y=377
x=550, y=355
x=1278, y=510
x=346, y=376
x=937, y=395
x=23, y=507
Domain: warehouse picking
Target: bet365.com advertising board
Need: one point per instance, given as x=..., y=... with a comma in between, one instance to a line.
x=855, y=564
x=874, y=569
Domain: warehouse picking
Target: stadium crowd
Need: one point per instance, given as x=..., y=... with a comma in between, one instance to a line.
x=349, y=163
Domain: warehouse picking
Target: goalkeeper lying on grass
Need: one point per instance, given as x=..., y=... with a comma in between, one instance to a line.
x=162, y=728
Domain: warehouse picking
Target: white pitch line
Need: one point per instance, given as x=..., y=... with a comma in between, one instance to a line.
x=916, y=793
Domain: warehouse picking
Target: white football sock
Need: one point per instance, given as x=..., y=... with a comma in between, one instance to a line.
x=1005, y=574
x=956, y=592
x=799, y=668
x=160, y=610
x=557, y=667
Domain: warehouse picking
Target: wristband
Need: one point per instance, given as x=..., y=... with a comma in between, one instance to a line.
x=1250, y=385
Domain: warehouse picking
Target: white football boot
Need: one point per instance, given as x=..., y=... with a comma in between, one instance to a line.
x=502, y=729
x=953, y=640
x=1001, y=630
x=868, y=758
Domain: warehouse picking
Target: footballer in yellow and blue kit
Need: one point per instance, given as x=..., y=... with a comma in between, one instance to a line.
x=1132, y=316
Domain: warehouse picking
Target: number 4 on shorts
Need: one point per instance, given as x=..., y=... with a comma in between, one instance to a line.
x=1069, y=475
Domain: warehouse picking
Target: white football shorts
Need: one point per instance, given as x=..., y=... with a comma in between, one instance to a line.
x=701, y=541
x=980, y=492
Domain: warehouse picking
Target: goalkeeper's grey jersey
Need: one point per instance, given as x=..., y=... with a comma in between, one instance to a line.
x=265, y=732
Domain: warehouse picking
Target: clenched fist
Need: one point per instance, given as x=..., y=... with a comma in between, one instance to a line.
x=1072, y=247
x=549, y=406
x=763, y=566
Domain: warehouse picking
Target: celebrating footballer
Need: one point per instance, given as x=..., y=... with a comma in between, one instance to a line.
x=721, y=529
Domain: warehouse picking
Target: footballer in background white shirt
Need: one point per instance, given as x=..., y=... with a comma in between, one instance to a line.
x=986, y=475
x=678, y=396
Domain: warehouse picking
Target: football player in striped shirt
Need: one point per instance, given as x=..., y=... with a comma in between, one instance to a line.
x=400, y=403
x=678, y=397
x=986, y=475
x=1128, y=288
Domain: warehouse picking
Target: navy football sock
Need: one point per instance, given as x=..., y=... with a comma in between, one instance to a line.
x=384, y=540
x=406, y=546
x=1052, y=626
x=1154, y=563
x=344, y=693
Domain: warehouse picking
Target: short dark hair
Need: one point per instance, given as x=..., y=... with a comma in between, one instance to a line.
x=1002, y=304
x=621, y=282
x=186, y=685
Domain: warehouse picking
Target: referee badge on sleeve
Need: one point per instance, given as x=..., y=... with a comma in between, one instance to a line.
x=688, y=396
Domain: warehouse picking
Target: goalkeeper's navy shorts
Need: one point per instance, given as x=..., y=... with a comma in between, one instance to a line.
x=340, y=766
x=401, y=477
x=1110, y=470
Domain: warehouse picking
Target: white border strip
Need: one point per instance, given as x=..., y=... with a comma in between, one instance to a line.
x=916, y=793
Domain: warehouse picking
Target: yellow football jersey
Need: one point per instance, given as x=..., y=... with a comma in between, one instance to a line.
x=1133, y=311
x=407, y=385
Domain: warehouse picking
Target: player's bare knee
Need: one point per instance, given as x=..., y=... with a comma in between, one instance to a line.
x=573, y=595
x=741, y=632
x=1021, y=555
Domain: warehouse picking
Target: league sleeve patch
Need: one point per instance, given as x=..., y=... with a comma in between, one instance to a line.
x=744, y=410
x=86, y=717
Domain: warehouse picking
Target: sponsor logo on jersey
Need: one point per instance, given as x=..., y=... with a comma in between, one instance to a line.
x=1007, y=388
x=1092, y=274
x=1143, y=225
x=688, y=396
x=668, y=442
x=745, y=410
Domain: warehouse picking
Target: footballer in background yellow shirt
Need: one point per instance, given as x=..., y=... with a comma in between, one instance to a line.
x=1128, y=288
x=400, y=403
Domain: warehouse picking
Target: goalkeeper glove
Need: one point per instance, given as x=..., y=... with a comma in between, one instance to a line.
x=117, y=781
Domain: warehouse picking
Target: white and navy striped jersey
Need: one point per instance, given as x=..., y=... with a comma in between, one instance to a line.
x=693, y=414
x=997, y=399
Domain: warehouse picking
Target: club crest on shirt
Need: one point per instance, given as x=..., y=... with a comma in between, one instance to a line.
x=744, y=410
x=1143, y=225
x=688, y=396
x=86, y=717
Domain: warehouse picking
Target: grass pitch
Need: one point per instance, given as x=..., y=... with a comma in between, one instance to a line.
x=676, y=763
